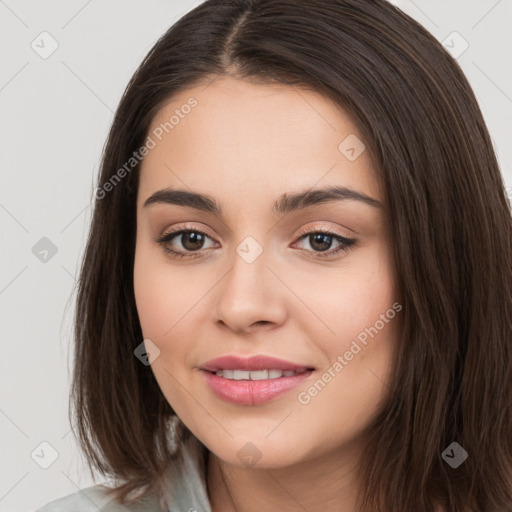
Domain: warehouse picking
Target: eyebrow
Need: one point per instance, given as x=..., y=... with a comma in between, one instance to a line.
x=285, y=203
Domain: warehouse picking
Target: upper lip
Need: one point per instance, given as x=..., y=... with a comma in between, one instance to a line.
x=258, y=362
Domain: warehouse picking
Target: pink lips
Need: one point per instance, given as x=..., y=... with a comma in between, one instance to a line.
x=252, y=392
x=250, y=363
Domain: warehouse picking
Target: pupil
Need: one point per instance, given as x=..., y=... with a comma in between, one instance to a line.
x=192, y=240
x=320, y=241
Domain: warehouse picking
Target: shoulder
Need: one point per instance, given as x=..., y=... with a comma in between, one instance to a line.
x=184, y=489
x=94, y=498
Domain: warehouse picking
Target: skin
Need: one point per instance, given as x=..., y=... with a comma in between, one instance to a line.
x=246, y=144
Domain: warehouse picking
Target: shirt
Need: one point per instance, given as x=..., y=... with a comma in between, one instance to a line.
x=185, y=490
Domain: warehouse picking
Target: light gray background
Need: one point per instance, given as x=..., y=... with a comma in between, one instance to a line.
x=55, y=116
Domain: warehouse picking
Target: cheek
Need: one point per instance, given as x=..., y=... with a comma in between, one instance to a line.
x=153, y=301
x=352, y=384
x=168, y=304
x=162, y=296
x=357, y=333
x=344, y=302
x=162, y=300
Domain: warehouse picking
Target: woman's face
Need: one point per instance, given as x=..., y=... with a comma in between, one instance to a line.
x=260, y=279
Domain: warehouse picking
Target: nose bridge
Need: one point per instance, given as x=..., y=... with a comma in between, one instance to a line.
x=247, y=293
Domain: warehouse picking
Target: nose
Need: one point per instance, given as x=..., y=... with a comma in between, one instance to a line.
x=250, y=296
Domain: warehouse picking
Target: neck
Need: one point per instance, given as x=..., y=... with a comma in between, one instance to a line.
x=324, y=483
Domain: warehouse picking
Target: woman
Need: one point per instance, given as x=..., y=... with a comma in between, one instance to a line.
x=296, y=293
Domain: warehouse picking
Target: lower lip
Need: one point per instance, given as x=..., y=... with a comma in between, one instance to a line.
x=252, y=392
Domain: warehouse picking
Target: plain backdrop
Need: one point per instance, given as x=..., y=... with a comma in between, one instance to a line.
x=56, y=111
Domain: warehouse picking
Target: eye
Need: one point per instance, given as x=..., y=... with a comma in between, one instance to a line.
x=191, y=243
x=190, y=240
x=321, y=241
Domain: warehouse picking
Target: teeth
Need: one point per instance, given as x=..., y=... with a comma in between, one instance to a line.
x=256, y=374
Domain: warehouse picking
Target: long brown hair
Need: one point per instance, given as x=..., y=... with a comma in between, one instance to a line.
x=451, y=230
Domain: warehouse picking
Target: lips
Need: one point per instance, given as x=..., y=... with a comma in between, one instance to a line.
x=231, y=378
x=253, y=363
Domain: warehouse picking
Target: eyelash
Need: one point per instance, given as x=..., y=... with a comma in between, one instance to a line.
x=346, y=244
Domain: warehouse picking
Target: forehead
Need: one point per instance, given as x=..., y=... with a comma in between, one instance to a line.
x=241, y=135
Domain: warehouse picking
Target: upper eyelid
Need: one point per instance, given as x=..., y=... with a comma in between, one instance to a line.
x=180, y=230
x=323, y=226
x=302, y=231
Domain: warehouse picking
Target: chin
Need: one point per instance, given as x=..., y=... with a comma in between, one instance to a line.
x=257, y=452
